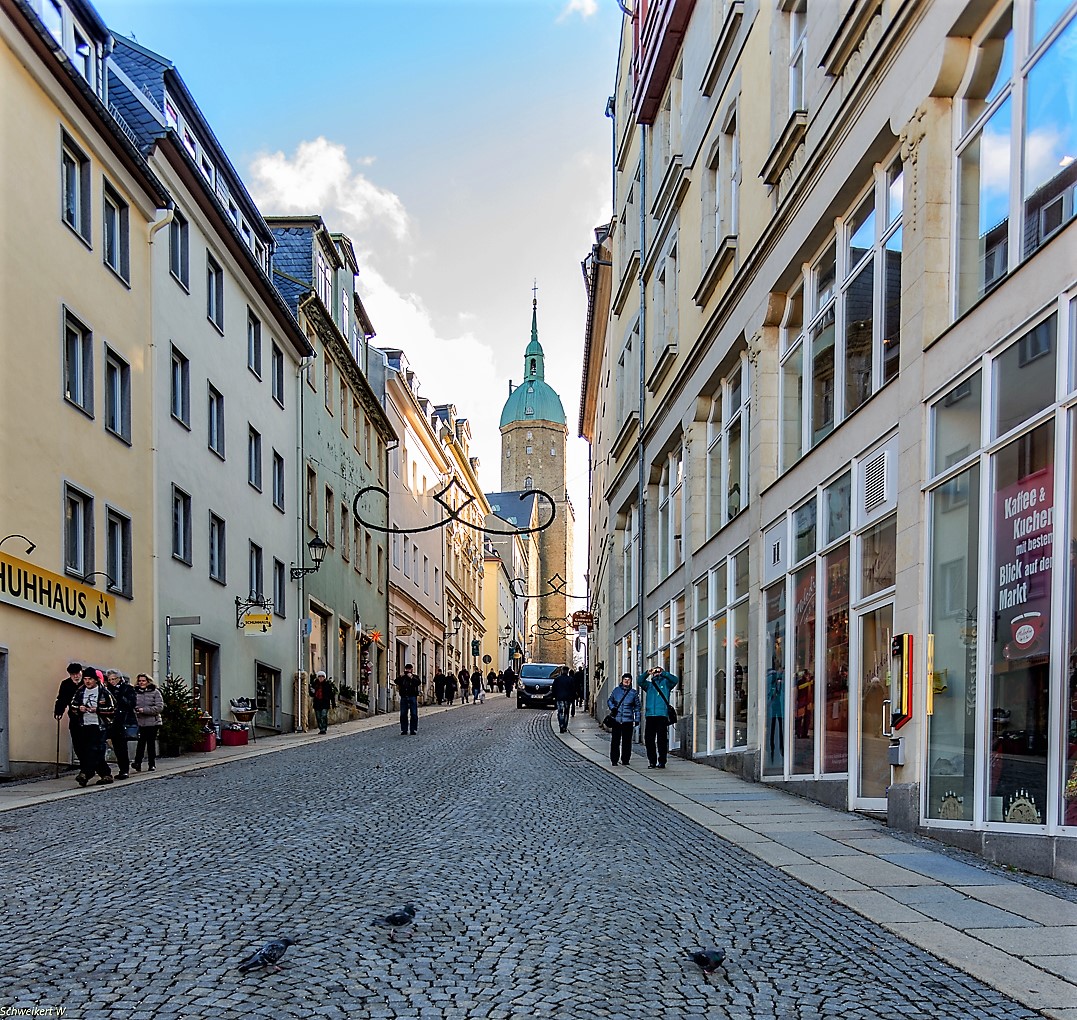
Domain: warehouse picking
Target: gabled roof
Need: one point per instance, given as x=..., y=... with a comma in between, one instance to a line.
x=516, y=507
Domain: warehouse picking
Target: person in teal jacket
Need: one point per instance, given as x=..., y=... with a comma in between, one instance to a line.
x=659, y=687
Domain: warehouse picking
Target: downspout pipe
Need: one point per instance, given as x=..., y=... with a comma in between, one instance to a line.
x=641, y=482
x=300, y=552
x=165, y=216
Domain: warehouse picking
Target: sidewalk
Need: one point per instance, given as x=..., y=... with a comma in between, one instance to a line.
x=24, y=793
x=1016, y=938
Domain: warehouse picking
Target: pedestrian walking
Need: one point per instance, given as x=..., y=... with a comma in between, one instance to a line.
x=624, y=706
x=659, y=684
x=407, y=686
x=581, y=691
x=70, y=683
x=323, y=696
x=451, y=684
x=92, y=705
x=439, y=686
x=510, y=682
x=465, y=686
x=491, y=682
x=149, y=704
x=563, y=692
x=123, y=724
x=476, y=686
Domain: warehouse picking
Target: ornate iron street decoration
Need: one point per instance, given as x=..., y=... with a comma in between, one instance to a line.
x=557, y=585
x=452, y=515
x=253, y=601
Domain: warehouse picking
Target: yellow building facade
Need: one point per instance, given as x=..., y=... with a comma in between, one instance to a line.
x=78, y=204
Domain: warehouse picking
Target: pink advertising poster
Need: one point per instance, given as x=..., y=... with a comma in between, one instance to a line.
x=1024, y=525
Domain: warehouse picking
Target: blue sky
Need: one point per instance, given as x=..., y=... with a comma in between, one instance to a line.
x=462, y=144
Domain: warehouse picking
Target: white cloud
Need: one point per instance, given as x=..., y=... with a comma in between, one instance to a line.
x=319, y=177
x=458, y=369
x=584, y=8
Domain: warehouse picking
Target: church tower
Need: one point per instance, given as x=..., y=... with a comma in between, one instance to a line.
x=534, y=441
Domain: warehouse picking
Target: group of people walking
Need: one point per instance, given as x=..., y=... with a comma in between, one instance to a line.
x=471, y=686
x=103, y=707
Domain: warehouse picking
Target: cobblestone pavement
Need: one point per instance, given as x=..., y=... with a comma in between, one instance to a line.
x=525, y=863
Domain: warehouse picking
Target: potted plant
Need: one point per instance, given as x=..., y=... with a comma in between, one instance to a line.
x=346, y=693
x=181, y=718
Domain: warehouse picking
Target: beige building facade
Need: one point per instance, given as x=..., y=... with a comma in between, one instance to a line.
x=836, y=443
x=78, y=204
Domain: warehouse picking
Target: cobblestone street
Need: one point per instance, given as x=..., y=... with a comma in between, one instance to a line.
x=525, y=863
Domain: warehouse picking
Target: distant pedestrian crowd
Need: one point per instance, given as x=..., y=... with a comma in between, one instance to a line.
x=102, y=708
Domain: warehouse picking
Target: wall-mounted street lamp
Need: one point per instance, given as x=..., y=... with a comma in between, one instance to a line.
x=317, y=548
x=30, y=546
x=456, y=623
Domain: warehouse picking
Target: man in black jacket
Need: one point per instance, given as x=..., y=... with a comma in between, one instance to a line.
x=91, y=710
x=564, y=693
x=407, y=686
x=70, y=683
x=123, y=694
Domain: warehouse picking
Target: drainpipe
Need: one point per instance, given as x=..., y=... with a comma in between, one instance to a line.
x=169, y=213
x=641, y=482
x=300, y=552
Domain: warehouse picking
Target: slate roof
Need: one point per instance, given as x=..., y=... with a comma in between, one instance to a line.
x=293, y=263
x=516, y=507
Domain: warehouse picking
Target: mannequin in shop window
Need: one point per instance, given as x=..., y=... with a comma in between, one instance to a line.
x=776, y=711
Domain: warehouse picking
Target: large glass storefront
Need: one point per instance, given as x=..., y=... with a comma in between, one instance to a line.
x=721, y=657
x=1002, y=716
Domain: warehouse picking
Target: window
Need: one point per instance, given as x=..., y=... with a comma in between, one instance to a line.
x=181, y=388
x=312, y=499
x=356, y=416
x=117, y=395
x=280, y=589
x=78, y=364
x=217, y=561
x=415, y=565
x=345, y=533
x=75, y=184
x=848, y=347
x=181, y=525
x=437, y=585
x=407, y=557
x=327, y=382
x=330, y=518
x=629, y=551
x=254, y=572
x=426, y=574
x=115, y=223
x=357, y=545
x=345, y=404
x=797, y=60
x=254, y=343
x=395, y=546
x=214, y=292
x=179, y=250
x=323, y=280
x=78, y=532
x=278, y=481
x=670, y=513
x=381, y=568
x=277, y=373
x=254, y=457
x=215, y=425
x=727, y=465
x=52, y=16
x=1017, y=111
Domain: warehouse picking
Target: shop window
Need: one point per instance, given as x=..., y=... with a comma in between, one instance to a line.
x=774, y=681
x=803, y=693
x=956, y=420
x=1025, y=376
x=1022, y=575
x=878, y=557
x=1068, y=784
x=835, y=721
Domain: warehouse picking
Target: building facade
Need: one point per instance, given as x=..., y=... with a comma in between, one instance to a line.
x=225, y=354
x=534, y=440
x=841, y=246
x=418, y=467
x=75, y=310
x=344, y=438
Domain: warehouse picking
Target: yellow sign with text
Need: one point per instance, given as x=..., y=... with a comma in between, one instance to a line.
x=257, y=623
x=27, y=586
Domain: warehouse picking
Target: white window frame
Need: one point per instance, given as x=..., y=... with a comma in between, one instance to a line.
x=78, y=535
x=218, y=548
x=280, y=589
x=179, y=250
x=254, y=458
x=116, y=233
x=278, y=481
x=254, y=343
x=180, y=398
x=75, y=188
x=181, y=525
x=255, y=575
x=276, y=371
x=215, y=432
x=77, y=342
x=723, y=420
x=117, y=395
x=214, y=292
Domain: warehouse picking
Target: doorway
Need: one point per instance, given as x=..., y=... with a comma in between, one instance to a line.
x=206, y=682
x=875, y=628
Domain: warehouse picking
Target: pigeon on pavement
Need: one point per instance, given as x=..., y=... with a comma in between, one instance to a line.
x=398, y=919
x=709, y=960
x=268, y=955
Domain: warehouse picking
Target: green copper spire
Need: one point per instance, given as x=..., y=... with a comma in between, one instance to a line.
x=534, y=399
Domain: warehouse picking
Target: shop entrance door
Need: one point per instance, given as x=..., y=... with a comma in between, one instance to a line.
x=870, y=775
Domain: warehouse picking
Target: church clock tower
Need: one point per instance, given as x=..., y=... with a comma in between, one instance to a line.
x=534, y=440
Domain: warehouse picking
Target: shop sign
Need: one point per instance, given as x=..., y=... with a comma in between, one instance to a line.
x=1024, y=533
x=257, y=623
x=26, y=586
